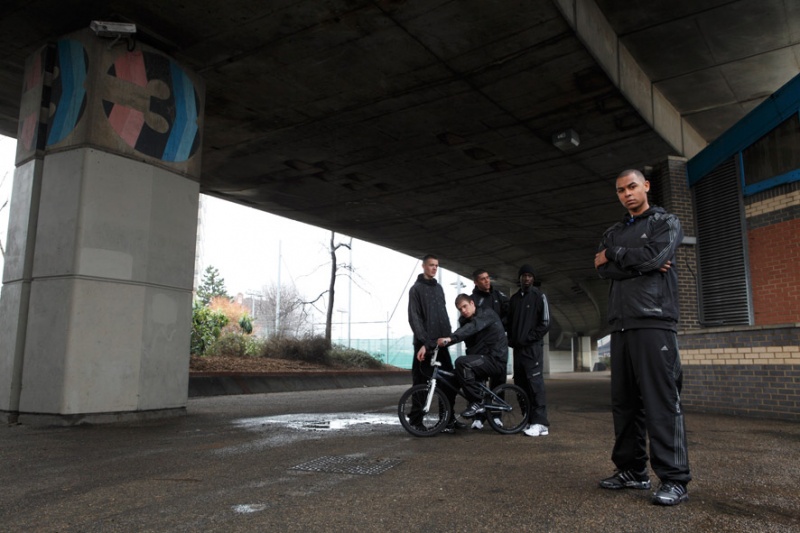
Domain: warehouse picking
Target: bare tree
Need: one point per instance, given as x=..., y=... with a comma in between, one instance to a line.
x=331, y=288
x=293, y=316
x=331, y=292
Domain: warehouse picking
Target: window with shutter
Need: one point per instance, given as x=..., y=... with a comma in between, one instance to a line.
x=722, y=251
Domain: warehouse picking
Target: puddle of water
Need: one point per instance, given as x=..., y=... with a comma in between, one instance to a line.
x=320, y=422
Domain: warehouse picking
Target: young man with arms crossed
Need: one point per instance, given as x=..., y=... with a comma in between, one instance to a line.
x=637, y=255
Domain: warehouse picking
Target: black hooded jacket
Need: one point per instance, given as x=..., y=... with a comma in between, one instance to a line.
x=641, y=296
x=483, y=334
x=427, y=312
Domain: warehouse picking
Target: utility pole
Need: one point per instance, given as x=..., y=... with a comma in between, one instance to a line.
x=350, y=295
x=278, y=293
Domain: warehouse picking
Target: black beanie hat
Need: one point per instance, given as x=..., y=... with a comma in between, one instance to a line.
x=526, y=269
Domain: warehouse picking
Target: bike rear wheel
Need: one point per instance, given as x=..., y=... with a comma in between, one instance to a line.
x=417, y=422
x=513, y=421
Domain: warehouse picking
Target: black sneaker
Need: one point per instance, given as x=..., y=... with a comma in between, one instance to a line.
x=473, y=409
x=626, y=479
x=671, y=493
x=450, y=428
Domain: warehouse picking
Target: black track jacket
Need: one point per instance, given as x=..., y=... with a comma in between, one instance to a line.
x=640, y=295
x=484, y=335
x=494, y=300
x=528, y=318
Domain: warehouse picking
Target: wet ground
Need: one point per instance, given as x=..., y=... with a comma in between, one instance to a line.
x=338, y=460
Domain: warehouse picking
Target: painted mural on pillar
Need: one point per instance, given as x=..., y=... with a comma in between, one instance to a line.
x=68, y=96
x=53, y=94
x=31, y=104
x=164, y=124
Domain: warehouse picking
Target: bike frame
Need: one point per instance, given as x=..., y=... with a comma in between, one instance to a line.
x=500, y=406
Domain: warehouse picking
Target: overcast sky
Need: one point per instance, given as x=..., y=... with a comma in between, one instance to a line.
x=243, y=244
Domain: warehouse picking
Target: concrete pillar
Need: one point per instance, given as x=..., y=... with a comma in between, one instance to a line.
x=584, y=353
x=546, y=357
x=95, y=309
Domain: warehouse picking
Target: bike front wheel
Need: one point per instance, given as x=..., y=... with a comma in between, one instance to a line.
x=412, y=415
x=513, y=420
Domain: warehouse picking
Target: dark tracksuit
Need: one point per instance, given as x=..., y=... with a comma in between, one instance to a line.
x=487, y=351
x=497, y=302
x=528, y=323
x=429, y=321
x=646, y=373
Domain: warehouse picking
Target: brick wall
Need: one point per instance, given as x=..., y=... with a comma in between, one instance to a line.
x=773, y=238
x=748, y=370
x=741, y=370
x=774, y=272
x=669, y=189
x=768, y=391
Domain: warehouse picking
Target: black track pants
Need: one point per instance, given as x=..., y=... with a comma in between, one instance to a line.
x=472, y=369
x=528, y=374
x=646, y=379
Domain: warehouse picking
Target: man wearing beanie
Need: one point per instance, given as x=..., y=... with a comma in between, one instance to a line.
x=528, y=323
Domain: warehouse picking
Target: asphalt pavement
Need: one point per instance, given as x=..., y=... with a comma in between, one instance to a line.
x=338, y=460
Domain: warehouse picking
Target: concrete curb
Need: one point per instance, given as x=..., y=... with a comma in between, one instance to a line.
x=227, y=383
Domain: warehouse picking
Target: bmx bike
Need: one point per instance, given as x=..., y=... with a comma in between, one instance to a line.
x=424, y=409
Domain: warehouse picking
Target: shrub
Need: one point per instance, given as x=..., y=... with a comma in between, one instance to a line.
x=207, y=325
x=309, y=349
x=246, y=324
x=236, y=344
x=343, y=356
x=238, y=317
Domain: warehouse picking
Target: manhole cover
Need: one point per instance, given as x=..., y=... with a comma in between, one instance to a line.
x=349, y=465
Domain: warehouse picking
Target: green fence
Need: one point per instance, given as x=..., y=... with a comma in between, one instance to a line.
x=400, y=352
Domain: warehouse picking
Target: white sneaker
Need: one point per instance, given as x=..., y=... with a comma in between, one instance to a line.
x=498, y=422
x=536, y=430
x=477, y=424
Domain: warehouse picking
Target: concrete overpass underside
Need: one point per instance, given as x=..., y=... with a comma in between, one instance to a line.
x=427, y=126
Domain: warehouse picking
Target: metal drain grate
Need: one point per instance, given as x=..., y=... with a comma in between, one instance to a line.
x=349, y=465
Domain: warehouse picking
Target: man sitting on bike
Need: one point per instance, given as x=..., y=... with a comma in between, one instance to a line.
x=487, y=350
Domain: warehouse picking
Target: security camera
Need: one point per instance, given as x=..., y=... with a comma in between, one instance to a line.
x=112, y=29
x=566, y=140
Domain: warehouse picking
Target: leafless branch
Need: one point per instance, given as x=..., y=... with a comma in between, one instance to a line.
x=311, y=302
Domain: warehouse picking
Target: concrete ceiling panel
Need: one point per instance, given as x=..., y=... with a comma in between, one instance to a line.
x=669, y=50
x=756, y=76
x=697, y=91
x=593, y=29
x=711, y=123
x=736, y=30
x=631, y=16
